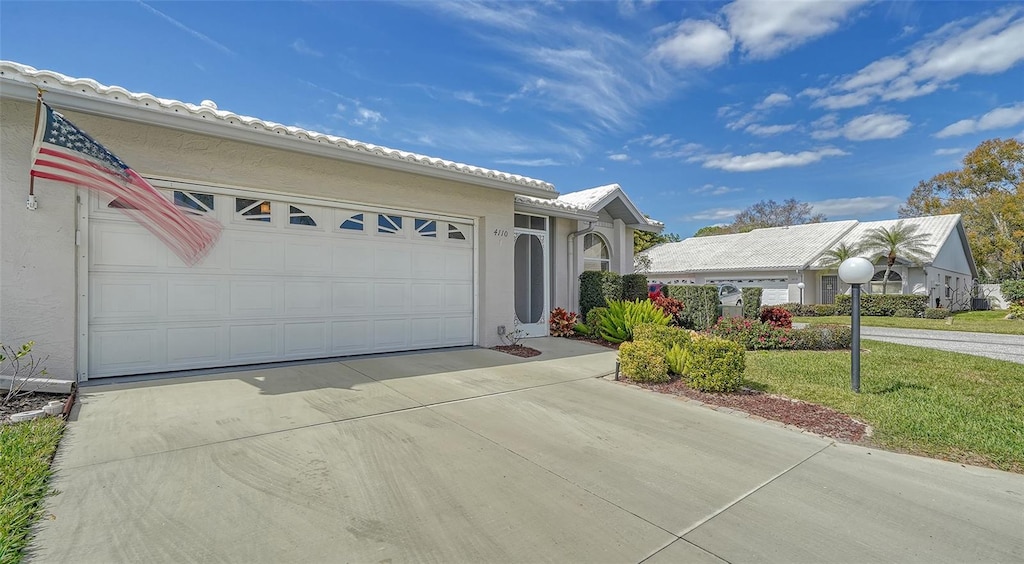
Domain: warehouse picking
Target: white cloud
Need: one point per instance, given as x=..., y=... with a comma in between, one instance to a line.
x=618, y=157
x=367, y=117
x=744, y=120
x=949, y=151
x=767, y=29
x=530, y=162
x=696, y=43
x=300, y=47
x=712, y=190
x=769, y=130
x=773, y=99
x=766, y=161
x=878, y=72
x=715, y=214
x=204, y=38
x=998, y=118
x=844, y=101
x=876, y=126
x=853, y=207
x=666, y=146
x=468, y=97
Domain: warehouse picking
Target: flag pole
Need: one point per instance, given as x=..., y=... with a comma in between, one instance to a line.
x=31, y=203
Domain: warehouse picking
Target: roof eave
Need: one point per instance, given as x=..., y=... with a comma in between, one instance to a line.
x=65, y=100
x=553, y=211
x=648, y=227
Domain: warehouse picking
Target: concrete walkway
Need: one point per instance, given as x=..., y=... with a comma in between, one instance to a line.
x=477, y=456
x=1000, y=347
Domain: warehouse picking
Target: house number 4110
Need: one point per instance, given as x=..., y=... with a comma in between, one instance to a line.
x=501, y=232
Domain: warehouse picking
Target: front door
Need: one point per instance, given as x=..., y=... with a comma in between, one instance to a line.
x=531, y=283
x=829, y=288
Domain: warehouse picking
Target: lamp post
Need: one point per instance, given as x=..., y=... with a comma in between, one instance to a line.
x=856, y=271
x=801, y=286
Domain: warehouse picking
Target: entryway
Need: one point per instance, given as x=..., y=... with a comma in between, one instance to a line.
x=531, y=275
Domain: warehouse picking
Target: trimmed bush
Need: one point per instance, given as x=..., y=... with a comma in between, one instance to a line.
x=561, y=322
x=936, y=313
x=751, y=334
x=882, y=304
x=1012, y=290
x=644, y=361
x=751, y=302
x=618, y=322
x=711, y=364
x=904, y=313
x=634, y=287
x=776, y=317
x=700, y=305
x=593, y=319
x=824, y=310
x=666, y=335
x=821, y=338
x=597, y=287
x=797, y=310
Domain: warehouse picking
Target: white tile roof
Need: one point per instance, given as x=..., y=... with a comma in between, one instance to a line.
x=207, y=110
x=585, y=203
x=781, y=248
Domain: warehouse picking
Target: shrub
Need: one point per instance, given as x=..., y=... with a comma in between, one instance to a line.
x=675, y=357
x=700, y=305
x=798, y=310
x=751, y=334
x=821, y=338
x=1017, y=310
x=671, y=306
x=618, y=322
x=1012, y=290
x=643, y=361
x=751, y=302
x=634, y=287
x=904, y=313
x=593, y=319
x=711, y=364
x=882, y=304
x=561, y=322
x=597, y=287
x=776, y=317
x=667, y=336
x=936, y=313
x=581, y=329
x=824, y=310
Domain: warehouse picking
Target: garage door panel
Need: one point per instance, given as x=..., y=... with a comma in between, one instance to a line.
x=353, y=259
x=264, y=255
x=306, y=298
x=350, y=336
x=458, y=330
x=124, y=298
x=390, y=297
x=349, y=297
x=305, y=339
x=302, y=258
x=194, y=345
x=426, y=296
x=123, y=245
x=390, y=334
x=458, y=265
x=392, y=263
x=195, y=298
x=458, y=298
x=134, y=350
x=425, y=332
x=253, y=299
x=252, y=343
x=428, y=264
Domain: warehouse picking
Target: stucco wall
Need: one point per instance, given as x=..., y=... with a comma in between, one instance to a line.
x=38, y=273
x=953, y=257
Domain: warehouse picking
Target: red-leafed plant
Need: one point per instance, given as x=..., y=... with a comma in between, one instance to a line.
x=670, y=306
x=562, y=322
x=777, y=317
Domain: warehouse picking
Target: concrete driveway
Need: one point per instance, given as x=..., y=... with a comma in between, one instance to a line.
x=477, y=456
x=1000, y=347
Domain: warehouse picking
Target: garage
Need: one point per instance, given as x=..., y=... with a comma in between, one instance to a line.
x=775, y=290
x=289, y=279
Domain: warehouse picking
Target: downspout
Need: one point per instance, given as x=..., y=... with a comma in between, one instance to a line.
x=571, y=257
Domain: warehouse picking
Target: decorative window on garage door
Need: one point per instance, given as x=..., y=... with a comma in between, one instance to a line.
x=389, y=224
x=252, y=210
x=297, y=216
x=426, y=227
x=195, y=202
x=460, y=233
x=350, y=221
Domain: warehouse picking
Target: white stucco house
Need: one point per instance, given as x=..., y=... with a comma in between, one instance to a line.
x=778, y=259
x=329, y=247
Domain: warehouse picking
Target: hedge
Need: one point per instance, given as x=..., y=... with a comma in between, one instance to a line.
x=644, y=361
x=936, y=313
x=751, y=302
x=666, y=335
x=634, y=287
x=1012, y=290
x=797, y=310
x=597, y=287
x=711, y=364
x=700, y=305
x=882, y=304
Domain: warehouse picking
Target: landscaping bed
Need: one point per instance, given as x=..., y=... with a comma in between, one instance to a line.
x=517, y=350
x=28, y=402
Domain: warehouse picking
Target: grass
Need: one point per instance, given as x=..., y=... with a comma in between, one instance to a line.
x=26, y=450
x=934, y=403
x=972, y=321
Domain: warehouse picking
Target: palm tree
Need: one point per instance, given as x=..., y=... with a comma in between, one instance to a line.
x=834, y=257
x=901, y=240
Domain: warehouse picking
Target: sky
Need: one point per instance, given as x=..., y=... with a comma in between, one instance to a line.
x=697, y=109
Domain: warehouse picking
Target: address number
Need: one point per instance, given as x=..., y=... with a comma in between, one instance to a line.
x=501, y=232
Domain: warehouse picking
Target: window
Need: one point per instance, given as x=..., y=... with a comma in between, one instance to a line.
x=391, y=224
x=194, y=201
x=595, y=253
x=455, y=233
x=895, y=285
x=253, y=210
x=298, y=217
x=426, y=227
x=537, y=222
x=949, y=290
x=353, y=223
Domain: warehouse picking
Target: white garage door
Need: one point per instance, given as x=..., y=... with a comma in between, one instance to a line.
x=287, y=280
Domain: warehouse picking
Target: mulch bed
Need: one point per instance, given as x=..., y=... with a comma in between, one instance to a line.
x=517, y=350
x=27, y=402
x=595, y=341
x=808, y=416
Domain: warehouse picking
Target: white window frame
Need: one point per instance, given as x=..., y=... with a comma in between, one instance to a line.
x=604, y=264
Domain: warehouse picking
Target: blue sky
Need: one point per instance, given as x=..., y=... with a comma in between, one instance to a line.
x=697, y=109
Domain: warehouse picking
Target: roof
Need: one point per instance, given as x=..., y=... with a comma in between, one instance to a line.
x=587, y=204
x=796, y=247
x=82, y=94
x=773, y=248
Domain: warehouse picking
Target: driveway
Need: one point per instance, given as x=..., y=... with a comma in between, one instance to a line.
x=477, y=456
x=1000, y=347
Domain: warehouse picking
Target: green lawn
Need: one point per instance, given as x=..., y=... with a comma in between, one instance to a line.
x=973, y=321
x=26, y=450
x=940, y=404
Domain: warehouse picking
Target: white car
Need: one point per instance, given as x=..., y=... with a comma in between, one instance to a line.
x=730, y=295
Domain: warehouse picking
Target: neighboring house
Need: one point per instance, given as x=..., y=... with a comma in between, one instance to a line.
x=330, y=247
x=778, y=259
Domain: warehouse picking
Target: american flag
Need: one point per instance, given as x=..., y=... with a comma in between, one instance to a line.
x=64, y=153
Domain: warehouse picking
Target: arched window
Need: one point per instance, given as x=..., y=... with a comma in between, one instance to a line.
x=895, y=285
x=596, y=255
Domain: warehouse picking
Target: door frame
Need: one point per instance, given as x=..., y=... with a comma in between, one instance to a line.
x=539, y=329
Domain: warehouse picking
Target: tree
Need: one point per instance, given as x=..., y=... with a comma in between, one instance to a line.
x=710, y=230
x=769, y=213
x=988, y=192
x=834, y=257
x=899, y=241
x=643, y=240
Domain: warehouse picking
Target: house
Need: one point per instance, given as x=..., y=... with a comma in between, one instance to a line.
x=328, y=247
x=779, y=259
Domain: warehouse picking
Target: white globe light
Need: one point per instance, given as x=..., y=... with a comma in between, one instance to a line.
x=856, y=270
x=800, y=285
